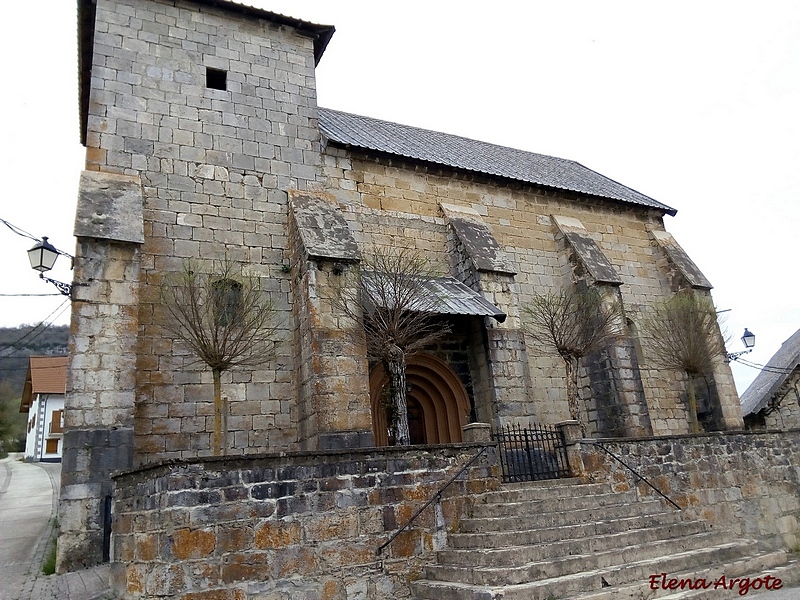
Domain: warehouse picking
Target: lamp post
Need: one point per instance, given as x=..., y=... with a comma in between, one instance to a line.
x=749, y=340
x=42, y=257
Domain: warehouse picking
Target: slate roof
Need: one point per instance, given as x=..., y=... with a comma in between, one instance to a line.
x=437, y=295
x=760, y=392
x=454, y=298
x=46, y=375
x=480, y=157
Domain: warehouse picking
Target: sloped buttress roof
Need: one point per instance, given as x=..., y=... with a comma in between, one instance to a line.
x=767, y=382
x=480, y=157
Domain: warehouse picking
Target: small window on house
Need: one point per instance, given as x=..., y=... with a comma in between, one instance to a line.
x=227, y=297
x=51, y=446
x=57, y=422
x=216, y=79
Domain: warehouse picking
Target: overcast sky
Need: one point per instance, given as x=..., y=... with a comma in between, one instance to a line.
x=694, y=103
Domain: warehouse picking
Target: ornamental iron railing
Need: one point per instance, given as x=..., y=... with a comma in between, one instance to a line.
x=532, y=453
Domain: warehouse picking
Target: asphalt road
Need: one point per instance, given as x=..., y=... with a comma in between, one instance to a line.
x=27, y=505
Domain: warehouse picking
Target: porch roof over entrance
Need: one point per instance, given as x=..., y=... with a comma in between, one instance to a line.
x=439, y=295
x=454, y=298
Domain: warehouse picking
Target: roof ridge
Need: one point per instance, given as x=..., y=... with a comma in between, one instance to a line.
x=451, y=135
x=488, y=158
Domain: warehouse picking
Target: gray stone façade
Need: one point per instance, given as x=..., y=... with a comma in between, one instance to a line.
x=179, y=170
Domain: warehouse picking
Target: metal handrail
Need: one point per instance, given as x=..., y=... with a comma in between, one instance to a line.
x=436, y=497
x=632, y=470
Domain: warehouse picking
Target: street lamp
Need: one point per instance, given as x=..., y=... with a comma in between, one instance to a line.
x=42, y=257
x=749, y=340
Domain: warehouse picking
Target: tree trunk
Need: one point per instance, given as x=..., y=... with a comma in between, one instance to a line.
x=396, y=365
x=572, y=392
x=220, y=420
x=691, y=397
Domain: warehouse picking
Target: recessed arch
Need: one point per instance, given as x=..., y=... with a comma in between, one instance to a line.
x=434, y=389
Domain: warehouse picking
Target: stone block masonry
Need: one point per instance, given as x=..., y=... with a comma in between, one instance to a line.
x=307, y=525
x=215, y=165
x=523, y=223
x=176, y=170
x=303, y=525
x=747, y=482
x=186, y=168
x=99, y=405
x=786, y=403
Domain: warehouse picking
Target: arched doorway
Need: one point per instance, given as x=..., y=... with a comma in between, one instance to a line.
x=438, y=404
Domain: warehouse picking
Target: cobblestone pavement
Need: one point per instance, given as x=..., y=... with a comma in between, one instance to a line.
x=28, y=506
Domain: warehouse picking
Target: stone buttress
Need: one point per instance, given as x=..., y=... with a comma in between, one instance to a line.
x=99, y=405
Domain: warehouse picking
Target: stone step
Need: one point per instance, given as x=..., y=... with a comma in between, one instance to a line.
x=499, y=539
x=563, y=539
x=717, y=582
x=680, y=554
x=518, y=552
x=632, y=574
x=542, y=490
x=555, y=519
x=523, y=507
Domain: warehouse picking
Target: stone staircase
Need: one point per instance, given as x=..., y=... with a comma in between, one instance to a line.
x=561, y=539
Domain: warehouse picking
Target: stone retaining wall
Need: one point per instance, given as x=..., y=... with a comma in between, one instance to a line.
x=748, y=482
x=298, y=526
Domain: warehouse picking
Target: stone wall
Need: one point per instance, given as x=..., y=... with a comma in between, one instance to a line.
x=298, y=526
x=748, y=482
x=784, y=409
x=101, y=378
x=215, y=166
x=214, y=170
x=521, y=220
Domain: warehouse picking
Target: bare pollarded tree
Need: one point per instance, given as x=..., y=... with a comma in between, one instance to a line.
x=573, y=323
x=225, y=318
x=387, y=294
x=683, y=334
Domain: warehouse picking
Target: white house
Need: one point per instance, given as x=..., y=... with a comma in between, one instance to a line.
x=43, y=400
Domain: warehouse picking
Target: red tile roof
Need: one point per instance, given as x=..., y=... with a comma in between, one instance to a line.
x=46, y=375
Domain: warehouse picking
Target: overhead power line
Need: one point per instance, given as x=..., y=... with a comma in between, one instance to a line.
x=15, y=344
x=767, y=368
x=28, y=295
x=19, y=231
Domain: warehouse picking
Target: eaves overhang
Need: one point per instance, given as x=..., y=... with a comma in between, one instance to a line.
x=428, y=148
x=433, y=295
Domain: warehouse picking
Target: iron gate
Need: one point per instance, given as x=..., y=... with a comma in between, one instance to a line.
x=532, y=453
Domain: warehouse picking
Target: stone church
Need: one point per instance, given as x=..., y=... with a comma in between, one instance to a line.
x=204, y=141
